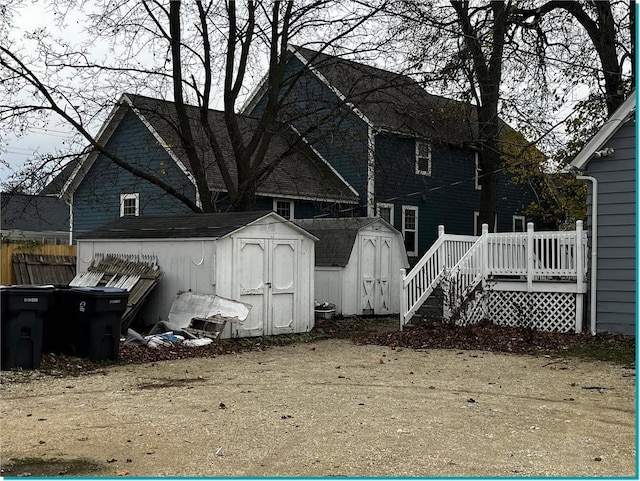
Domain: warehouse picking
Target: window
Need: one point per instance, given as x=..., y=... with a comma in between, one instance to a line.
x=385, y=211
x=129, y=205
x=283, y=208
x=423, y=158
x=519, y=223
x=478, y=173
x=410, y=229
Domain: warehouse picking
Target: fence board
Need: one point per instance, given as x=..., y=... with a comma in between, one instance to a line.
x=7, y=274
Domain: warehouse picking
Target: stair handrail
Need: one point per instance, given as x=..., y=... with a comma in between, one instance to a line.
x=421, y=280
x=465, y=275
x=425, y=276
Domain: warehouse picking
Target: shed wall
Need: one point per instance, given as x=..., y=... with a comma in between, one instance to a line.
x=191, y=265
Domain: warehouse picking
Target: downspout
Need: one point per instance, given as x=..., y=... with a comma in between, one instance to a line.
x=70, y=204
x=594, y=246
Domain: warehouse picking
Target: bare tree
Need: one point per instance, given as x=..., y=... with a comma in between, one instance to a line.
x=520, y=62
x=189, y=52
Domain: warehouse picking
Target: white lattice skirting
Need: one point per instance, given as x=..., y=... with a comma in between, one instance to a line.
x=545, y=311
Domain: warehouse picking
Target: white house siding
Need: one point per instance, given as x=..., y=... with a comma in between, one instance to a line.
x=616, y=306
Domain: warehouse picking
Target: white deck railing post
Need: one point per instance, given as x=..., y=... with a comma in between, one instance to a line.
x=579, y=265
x=442, y=252
x=404, y=302
x=530, y=257
x=484, y=268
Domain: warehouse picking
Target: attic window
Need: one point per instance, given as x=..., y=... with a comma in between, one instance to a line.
x=385, y=211
x=283, y=208
x=129, y=205
x=423, y=158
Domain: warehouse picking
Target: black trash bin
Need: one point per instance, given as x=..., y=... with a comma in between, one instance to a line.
x=23, y=311
x=59, y=323
x=96, y=318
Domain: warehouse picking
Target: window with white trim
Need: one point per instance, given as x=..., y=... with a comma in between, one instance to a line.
x=283, y=208
x=478, y=173
x=385, y=211
x=519, y=223
x=410, y=229
x=423, y=157
x=129, y=205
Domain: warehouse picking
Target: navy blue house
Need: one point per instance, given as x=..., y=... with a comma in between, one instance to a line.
x=143, y=131
x=408, y=154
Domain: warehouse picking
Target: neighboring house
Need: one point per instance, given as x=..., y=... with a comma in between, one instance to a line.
x=40, y=218
x=609, y=160
x=409, y=154
x=143, y=131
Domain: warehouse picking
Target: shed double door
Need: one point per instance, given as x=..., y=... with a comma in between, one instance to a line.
x=375, y=273
x=267, y=277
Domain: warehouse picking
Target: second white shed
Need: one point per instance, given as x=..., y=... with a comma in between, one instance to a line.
x=258, y=258
x=358, y=263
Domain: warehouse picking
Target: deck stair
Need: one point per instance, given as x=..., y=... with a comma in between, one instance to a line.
x=532, y=278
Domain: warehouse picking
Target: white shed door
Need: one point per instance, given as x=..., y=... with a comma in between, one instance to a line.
x=375, y=270
x=267, y=280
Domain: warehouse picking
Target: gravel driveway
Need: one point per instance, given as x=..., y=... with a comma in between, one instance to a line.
x=332, y=408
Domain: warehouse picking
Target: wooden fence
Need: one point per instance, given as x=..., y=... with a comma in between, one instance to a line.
x=7, y=275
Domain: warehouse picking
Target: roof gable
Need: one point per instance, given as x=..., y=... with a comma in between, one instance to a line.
x=301, y=172
x=393, y=102
x=625, y=112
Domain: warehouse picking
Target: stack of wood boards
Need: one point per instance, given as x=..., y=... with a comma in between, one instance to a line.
x=137, y=274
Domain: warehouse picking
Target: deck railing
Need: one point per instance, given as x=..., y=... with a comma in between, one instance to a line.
x=467, y=260
x=425, y=276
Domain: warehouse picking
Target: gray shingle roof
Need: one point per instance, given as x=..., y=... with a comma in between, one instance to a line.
x=58, y=182
x=301, y=173
x=336, y=237
x=37, y=213
x=396, y=102
x=214, y=225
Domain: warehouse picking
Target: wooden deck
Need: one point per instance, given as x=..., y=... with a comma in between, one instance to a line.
x=503, y=277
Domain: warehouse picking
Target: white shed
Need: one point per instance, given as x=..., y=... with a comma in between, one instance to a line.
x=358, y=262
x=258, y=258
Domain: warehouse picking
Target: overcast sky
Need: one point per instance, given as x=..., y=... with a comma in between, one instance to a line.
x=14, y=150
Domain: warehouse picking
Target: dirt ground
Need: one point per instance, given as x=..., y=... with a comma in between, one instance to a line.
x=328, y=408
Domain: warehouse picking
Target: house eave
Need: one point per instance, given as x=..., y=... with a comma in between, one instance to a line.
x=610, y=127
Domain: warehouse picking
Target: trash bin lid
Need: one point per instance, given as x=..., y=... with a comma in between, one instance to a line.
x=105, y=290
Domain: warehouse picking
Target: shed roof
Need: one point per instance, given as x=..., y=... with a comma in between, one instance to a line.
x=336, y=237
x=215, y=225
